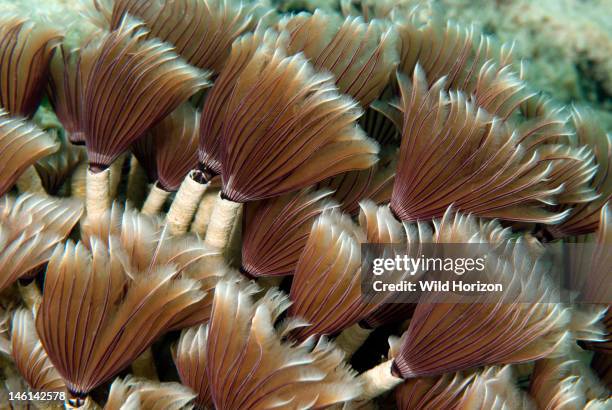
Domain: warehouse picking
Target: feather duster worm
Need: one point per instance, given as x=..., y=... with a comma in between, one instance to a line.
x=30, y=357
x=94, y=320
x=190, y=361
x=142, y=245
x=474, y=65
x=201, y=219
x=201, y=31
x=65, y=92
x=142, y=394
x=56, y=169
x=361, y=56
x=375, y=184
x=326, y=288
x=128, y=84
x=584, y=218
x=565, y=383
x=211, y=125
x=21, y=145
x=493, y=388
x=285, y=128
x=174, y=144
x=594, y=284
x=250, y=367
x=25, y=51
x=30, y=227
x=469, y=159
x=276, y=231
x=452, y=336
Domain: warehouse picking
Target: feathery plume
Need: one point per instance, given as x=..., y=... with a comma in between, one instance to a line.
x=361, y=56
x=584, y=217
x=285, y=128
x=56, y=169
x=469, y=62
x=201, y=31
x=453, y=336
x=65, y=92
x=564, y=383
x=212, y=122
x=442, y=392
x=25, y=49
x=21, y=145
x=173, y=145
x=94, y=320
x=190, y=361
x=128, y=85
x=132, y=393
x=30, y=357
x=326, y=287
x=276, y=231
x=468, y=159
x=249, y=366
x=142, y=245
x=30, y=227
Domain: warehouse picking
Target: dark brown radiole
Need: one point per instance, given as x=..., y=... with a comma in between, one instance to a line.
x=171, y=149
x=448, y=336
x=250, y=365
x=276, y=231
x=25, y=51
x=285, y=128
x=128, y=85
x=454, y=152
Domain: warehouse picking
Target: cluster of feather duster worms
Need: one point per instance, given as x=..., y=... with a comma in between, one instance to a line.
x=186, y=230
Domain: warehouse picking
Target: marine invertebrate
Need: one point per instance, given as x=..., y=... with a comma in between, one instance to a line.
x=361, y=56
x=21, y=145
x=201, y=31
x=125, y=314
x=125, y=78
x=145, y=394
x=30, y=357
x=280, y=117
x=211, y=128
x=25, y=47
x=190, y=361
x=276, y=231
x=537, y=331
x=471, y=160
x=31, y=226
x=249, y=366
x=172, y=144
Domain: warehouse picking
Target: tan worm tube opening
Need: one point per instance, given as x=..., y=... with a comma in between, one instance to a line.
x=185, y=204
x=116, y=169
x=98, y=193
x=202, y=216
x=155, y=200
x=30, y=181
x=224, y=215
x=352, y=338
x=378, y=380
